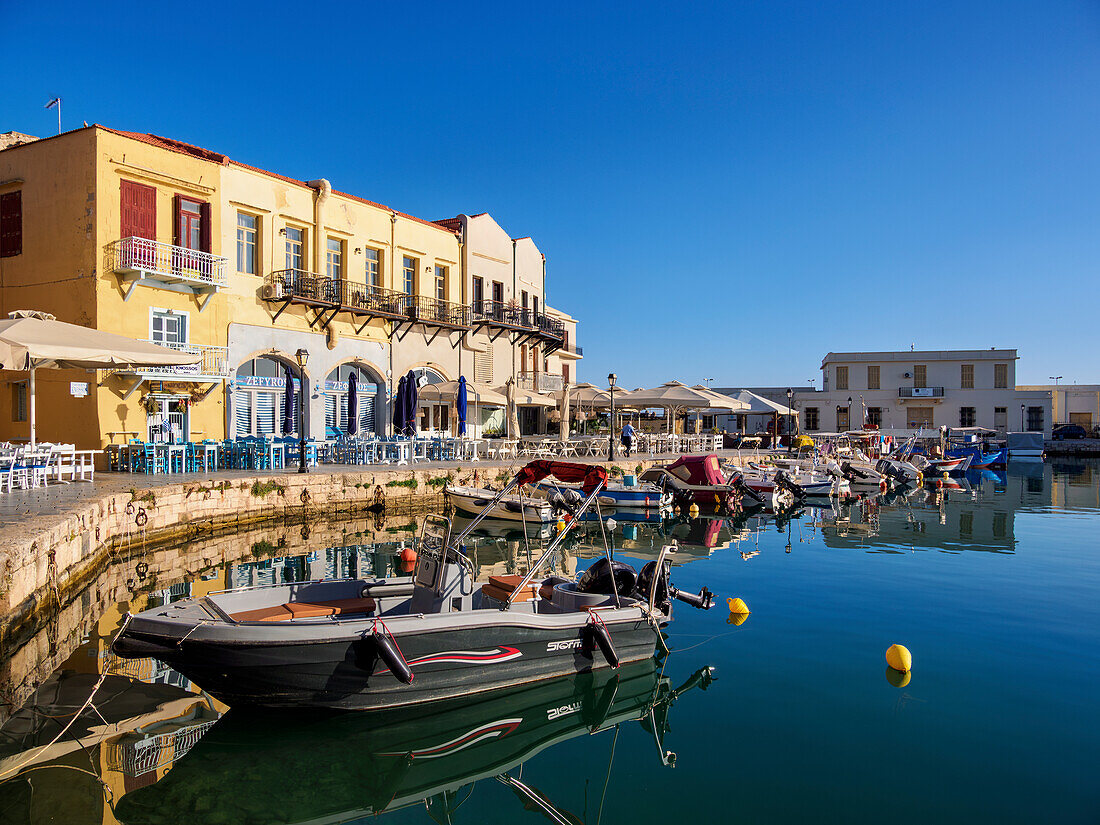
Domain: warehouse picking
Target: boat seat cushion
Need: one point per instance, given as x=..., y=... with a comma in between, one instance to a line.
x=502, y=587
x=306, y=610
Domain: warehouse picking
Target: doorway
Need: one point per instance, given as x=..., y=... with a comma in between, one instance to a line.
x=528, y=420
x=166, y=419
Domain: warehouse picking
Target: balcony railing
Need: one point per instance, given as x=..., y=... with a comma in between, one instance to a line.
x=540, y=381
x=499, y=313
x=573, y=349
x=920, y=392
x=214, y=365
x=143, y=260
x=136, y=757
x=299, y=286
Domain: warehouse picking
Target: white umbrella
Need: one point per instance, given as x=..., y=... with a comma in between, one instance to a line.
x=564, y=431
x=30, y=340
x=513, y=413
x=672, y=395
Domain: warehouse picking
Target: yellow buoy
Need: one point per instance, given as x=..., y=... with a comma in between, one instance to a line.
x=738, y=606
x=693, y=510
x=736, y=619
x=896, y=678
x=560, y=525
x=946, y=475
x=899, y=658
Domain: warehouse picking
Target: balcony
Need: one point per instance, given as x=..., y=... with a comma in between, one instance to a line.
x=331, y=296
x=920, y=392
x=540, y=381
x=519, y=319
x=570, y=351
x=162, y=265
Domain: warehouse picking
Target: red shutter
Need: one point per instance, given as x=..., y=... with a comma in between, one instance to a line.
x=11, y=224
x=205, y=233
x=138, y=211
x=177, y=219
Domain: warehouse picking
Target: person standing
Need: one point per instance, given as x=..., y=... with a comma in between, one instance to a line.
x=627, y=438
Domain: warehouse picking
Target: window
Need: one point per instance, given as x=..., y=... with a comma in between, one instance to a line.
x=966, y=417
x=11, y=226
x=874, y=416
x=479, y=291
x=1000, y=419
x=246, y=243
x=1034, y=419
x=191, y=216
x=920, y=375
x=258, y=398
x=842, y=378
x=408, y=271
x=873, y=377
x=19, y=401
x=535, y=304
x=565, y=374
x=167, y=327
x=483, y=367
x=841, y=419
x=966, y=379
x=523, y=298
x=295, y=248
x=1000, y=376
x=919, y=417
x=374, y=266
x=498, y=292
x=810, y=414
x=137, y=211
x=441, y=283
x=334, y=258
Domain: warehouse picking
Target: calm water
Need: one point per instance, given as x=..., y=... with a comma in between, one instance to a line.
x=995, y=588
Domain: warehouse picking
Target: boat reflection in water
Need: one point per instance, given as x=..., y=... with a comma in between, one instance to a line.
x=310, y=767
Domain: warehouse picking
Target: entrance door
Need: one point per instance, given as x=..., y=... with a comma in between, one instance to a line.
x=1000, y=419
x=528, y=420
x=168, y=421
x=919, y=417
x=1082, y=418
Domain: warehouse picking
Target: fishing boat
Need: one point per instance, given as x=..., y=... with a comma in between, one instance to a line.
x=477, y=501
x=951, y=466
x=977, y=443
x=381, y=762
x=641, y=495
x=698, y=479
x=766, y=480
x=408, y=640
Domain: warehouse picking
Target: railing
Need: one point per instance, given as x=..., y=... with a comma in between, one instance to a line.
x=434, y=310
x=214, y=363
x=136, y=757
x=920, y=392
x=162, y=261
x=504, y=314
x=572, y=348
x=540, y=381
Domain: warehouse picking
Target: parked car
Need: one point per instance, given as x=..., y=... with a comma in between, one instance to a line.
x=1066, y=432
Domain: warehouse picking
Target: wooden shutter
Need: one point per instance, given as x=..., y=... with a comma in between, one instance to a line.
x=138, y=211
x=177, y=219
x=205, y=232
x=11, y=224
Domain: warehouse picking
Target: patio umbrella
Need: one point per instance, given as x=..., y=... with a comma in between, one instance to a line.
x=353, y=404
x=30, y=340
x=461, y=404
x=410, y=403
x=670, y=396
x=563, y=433
x=398, y=405
x=288, y=401
x=513, y=412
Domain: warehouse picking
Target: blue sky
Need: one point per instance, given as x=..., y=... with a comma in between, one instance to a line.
x=724, y=190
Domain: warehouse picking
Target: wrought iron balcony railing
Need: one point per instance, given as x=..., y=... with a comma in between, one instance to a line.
x=540, y=381
x=516, y=317
x=214, y=365
x=434, y=310
x=920, y=392
x=145, y=260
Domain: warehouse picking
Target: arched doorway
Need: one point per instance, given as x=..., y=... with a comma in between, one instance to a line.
x=369, y=401
x=433, y=415
x=259, y=387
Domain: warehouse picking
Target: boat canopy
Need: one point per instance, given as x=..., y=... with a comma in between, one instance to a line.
x=591, y=476
x=701, y=470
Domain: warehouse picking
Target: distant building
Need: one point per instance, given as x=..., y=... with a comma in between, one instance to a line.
x=1071, y=403
x=929, y=389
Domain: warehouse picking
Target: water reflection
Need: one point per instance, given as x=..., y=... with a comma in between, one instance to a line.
x=151, y=727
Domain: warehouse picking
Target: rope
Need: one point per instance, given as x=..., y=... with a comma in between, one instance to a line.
x=102, y=677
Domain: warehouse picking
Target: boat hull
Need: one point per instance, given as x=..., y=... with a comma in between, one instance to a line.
x=267, y=666
x=474, y=503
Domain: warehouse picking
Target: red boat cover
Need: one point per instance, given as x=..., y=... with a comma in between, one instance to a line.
x=592, y=475
x=698, y=470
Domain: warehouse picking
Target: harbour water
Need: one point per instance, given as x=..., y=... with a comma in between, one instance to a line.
x=788, y=716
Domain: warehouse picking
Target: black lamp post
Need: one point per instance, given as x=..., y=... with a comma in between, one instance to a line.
x=611, y=424
x=1021, y=418
x=838, y=409
x=849, y=412
x=302, y=357
x=789, y=439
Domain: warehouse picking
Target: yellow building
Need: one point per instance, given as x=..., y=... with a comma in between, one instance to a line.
x=157, y=239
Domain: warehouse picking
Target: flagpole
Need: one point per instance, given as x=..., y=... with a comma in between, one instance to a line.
x=59, y=116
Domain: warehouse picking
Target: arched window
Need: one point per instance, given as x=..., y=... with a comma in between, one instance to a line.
x=258, y=393
x=433, y=415
x=336, y=400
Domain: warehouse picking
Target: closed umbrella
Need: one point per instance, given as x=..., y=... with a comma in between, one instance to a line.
x=398, y=404
x=30, y=340
x=461, y=404
x=564, y=431
x=353, y=404
x=513, y=413
x=288, y=402
x=411, y=398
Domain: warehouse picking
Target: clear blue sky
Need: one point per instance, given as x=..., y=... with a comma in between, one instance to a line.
x=723, y=190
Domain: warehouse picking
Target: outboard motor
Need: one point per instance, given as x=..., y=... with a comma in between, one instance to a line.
x=744, y=491
x=783, y=482
x=603, y=577
x=703, y=600
x=851, y=473
x=565, y=501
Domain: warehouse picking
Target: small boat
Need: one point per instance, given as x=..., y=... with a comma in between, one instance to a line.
x=977, y=443
x=408, y=640
x=698, y=479
x=767, y=480
x=951, y=466
x=475, y=501
x=640, y=495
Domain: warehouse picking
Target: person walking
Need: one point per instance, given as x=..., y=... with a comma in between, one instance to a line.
x=627, y=438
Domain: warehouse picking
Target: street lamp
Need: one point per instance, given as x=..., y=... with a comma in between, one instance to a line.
x=1055, y=379
x=849, y=412
x=789, y=439
x=1021, y=418
x=708, y=380
x=302, y=357
x=611, y=424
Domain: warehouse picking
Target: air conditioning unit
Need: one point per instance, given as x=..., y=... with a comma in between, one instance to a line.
x=271, y=292
x=907, y=375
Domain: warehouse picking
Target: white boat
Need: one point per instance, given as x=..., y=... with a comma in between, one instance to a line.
x=642, y=495
x=473, y=501
x=763, y=479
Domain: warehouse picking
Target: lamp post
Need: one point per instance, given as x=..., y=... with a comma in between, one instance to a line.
x=838, y=409
x=611, y=423
x=849, y=412
x=789, y=439
x=302, y=357
x=1055, y=379
x=1021, y=418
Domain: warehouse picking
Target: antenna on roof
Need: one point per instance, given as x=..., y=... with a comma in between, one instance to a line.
x=56, y=102
x=912, y=347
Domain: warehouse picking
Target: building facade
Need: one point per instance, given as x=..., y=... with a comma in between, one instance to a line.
x=929, y=389
x=157, y=239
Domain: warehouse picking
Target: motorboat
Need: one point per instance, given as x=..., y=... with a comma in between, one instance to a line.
x=380, y=762
x=476, y=501
x=641, y=495
x=698, y=479
x=408, y=640
x=951, y=466
x=977, y=443
x=767, y=480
